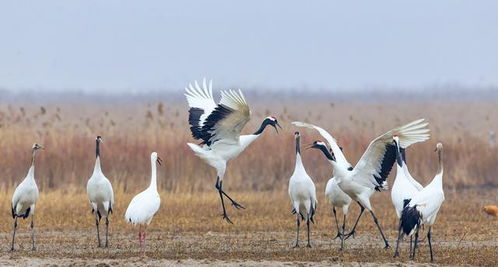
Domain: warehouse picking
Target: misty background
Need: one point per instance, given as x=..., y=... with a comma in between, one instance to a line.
x=136, y=47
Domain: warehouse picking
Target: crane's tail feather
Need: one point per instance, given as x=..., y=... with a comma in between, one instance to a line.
x=410, y=219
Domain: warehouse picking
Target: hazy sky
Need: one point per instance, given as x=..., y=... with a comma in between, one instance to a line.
x=151, y=45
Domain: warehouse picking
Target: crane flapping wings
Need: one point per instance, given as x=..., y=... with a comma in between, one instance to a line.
x=376, y=162
x=210, y=122
x=340, y=158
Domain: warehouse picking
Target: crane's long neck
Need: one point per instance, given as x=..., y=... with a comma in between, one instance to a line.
x=153, y=176
x=31, y=171
x=261, y=128
x=299, y=162
x=97, y=160
x=399, y=157
x=440, y=158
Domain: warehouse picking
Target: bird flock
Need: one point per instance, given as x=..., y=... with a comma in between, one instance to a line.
x=218, y=129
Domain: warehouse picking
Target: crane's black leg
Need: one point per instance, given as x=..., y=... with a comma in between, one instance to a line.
x=308, y=226
x=106, y=231
x=297, y=231
x=33, y=247
x=336, y=224
x=219, y=186
x=14, y=234
x=400, y=235
x=98, y=232
x=235, y=204
x=380, y=230
x=430, y=244
x=416, y=244
x=356, y=223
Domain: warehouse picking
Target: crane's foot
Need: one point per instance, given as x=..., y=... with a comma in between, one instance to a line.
x=296, y=246
x=226, y=218
x=396, y=254
x=308, y=245
x=348, y=235
x=237, y=205
x=339, y=235
x=387, y=246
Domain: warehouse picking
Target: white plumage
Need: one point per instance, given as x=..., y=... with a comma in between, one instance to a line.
x=144, y=206
x=404, y=187
x=100, y=194
x=371, y=172
x=218, y=126
x=424, y=207
x=338, y=199
x=302, y=193
x=25, y=197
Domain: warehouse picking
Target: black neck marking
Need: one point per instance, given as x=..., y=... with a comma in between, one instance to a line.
x=298, y=144
x=326, y=153
x=262, y=127
x=399, y=157
x=97, y=148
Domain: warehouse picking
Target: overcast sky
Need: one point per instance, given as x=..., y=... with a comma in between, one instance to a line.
x=150, y=45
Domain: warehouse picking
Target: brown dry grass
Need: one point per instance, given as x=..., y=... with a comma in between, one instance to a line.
x=188, y=224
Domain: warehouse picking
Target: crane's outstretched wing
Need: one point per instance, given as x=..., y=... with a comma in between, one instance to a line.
x=201, y=102
x=228, y=118
x=340, y=158
x=375, y=164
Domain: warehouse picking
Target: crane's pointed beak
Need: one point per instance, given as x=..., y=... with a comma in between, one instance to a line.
x=159, y=161
x=275, y=126
x=310, y=146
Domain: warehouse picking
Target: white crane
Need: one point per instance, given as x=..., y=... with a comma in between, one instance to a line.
x=424, y=207
x=144, y=206
x=100, y=194
x=371, y=171
x=338, y=199
x=24, y=199
x=218, y=126
x=302, y=193
x=404, y=187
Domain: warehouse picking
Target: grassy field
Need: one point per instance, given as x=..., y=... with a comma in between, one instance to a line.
x=188, y=228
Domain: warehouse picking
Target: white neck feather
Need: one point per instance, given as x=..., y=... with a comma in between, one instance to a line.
x=153, y=176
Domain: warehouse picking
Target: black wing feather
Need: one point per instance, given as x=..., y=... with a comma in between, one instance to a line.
x=218, y=114
x=194, y=119
x=386, y=166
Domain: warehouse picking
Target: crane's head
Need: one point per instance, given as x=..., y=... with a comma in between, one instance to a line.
x=439, y=147
x=155, y=158
x=99, y=139
x=37, y=147
x=297, y=135
x=273, y=122
x=323, y=147
x=396, y=140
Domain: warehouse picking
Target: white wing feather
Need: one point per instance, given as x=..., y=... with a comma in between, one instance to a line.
x=340, y=158
x=371, y=160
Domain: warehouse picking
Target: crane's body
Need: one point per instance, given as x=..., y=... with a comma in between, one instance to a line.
x=100, y=194
x=218, y=126
x=424, y=207
x=338, y=199
x=145, y=205
x=24, y=199
x=302, y=193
